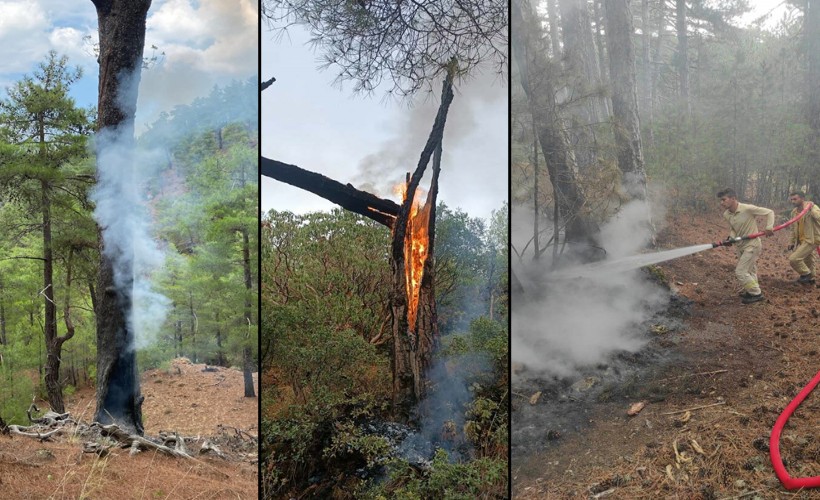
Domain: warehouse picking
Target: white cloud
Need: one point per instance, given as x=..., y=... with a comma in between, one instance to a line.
x=72, y=43
x=204, y=44
x=20, y=21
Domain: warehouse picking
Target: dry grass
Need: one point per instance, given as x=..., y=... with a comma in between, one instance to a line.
x=59, y=469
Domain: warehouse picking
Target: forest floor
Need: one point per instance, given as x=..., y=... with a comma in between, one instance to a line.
x=183, y=399
x=734, y=366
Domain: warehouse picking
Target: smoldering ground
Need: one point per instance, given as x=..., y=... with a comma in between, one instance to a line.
x=562, y=324
x=578, y=341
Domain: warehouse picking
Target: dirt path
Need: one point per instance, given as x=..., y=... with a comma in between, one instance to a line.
x=182, y=398
x=747, y=361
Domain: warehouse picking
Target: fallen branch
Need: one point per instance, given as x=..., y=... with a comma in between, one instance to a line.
x=693, y=409
x=27, y=432
x=693, y=375
x=239, y=432
x=135, y=442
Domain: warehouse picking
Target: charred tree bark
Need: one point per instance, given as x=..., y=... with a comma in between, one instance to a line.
x=537, y=76
x=266, y=84
x=122, y=38
x=346, y=196
x=625, y=123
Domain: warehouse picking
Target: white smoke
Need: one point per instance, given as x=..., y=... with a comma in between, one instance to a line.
x=122, y=214
x=562, y=325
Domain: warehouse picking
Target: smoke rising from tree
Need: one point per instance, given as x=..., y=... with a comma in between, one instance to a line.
x=122, y=213
x=562, y=325
x=474, y=103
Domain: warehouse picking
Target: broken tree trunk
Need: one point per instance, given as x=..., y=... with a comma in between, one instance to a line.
x=412, y=297
x=346, y=196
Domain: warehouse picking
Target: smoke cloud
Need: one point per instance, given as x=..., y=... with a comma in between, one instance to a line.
x=122, y=214
x=464, y=183
x=560, y=325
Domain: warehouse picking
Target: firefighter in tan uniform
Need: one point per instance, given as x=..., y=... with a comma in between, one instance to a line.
x=805, y=238
x=741, y=217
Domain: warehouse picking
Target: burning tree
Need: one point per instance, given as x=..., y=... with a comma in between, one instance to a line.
x=412, y=224
x=122, y=39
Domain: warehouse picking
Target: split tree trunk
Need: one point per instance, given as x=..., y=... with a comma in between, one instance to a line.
x=122, y=38
x=412, y=348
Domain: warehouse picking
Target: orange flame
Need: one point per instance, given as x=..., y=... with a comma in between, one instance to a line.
x=416, y=249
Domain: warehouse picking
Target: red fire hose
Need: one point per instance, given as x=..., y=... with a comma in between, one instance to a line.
x=730, y=241
x=789, y=482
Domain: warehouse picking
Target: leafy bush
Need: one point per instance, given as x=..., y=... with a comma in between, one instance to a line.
x=485, y=478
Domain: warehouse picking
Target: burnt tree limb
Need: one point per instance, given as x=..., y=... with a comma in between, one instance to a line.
x=346, y=196
x=266, y=84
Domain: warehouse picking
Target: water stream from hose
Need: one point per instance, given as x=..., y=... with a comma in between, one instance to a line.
x=624, y=264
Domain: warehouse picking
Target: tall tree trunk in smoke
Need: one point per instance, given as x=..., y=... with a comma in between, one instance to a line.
x=647, y=106
x=122, y=38
x=552, y=14
x=811, y=38
x=626, y=124
x=412, y=298
x=682, y=57
x=536, y=79
x=585, y=79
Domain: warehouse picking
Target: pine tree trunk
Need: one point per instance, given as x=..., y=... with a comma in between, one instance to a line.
x=647, y=108
x=811, y=37
x=54, y=391
x=585, y=78
x=413, y=345
x=625, y=123
x=122, y=38
x=552, y=14
x=247, y=354
x=682, y=56
x=3, y=340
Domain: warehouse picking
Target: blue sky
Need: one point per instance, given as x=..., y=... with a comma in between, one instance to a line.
x=206, y=42
x=370, y=142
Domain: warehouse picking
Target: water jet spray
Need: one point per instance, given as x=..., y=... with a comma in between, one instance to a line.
x=636, y=261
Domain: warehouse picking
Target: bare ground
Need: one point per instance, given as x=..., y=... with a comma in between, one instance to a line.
x=182, y=399
x=746, y=361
